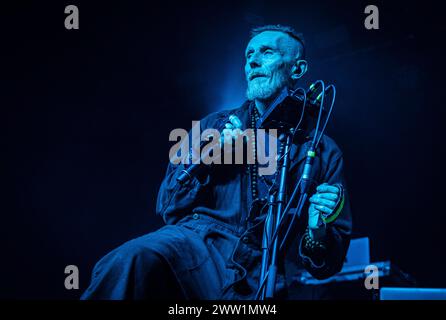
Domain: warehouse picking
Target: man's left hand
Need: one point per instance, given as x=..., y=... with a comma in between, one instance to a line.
x=323, y=201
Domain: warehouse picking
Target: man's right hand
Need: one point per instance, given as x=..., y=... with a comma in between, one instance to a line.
x=232, y=131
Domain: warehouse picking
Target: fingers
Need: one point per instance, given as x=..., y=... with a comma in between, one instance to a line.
x=324, y=209
x=232, y=130
x=328, y=196
x=313, y=212
x=313, y=217
x=319, y=201
x=235, y=121
x=325, y=187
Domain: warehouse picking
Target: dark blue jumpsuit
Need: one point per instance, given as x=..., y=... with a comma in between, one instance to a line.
x=210, y=247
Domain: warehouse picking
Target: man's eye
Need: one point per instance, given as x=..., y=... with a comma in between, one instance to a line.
x=268, y=51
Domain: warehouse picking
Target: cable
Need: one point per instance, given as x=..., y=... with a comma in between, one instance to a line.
x=304, y=196
x=300, y=206
x=261, y=286
x=320, y=109
x=329, y=112
x=285, y=211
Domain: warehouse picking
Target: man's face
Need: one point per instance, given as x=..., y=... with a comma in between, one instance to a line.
x=269, y=58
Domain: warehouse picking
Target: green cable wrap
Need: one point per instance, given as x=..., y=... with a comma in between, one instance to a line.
x=338, y=208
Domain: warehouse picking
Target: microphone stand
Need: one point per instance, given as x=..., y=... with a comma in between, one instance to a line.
x=276, y=203
x=280, y=115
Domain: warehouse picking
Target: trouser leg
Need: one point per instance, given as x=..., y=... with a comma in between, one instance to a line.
x=133, y=272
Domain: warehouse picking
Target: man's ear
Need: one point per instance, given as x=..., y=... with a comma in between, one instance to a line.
x=299, y=68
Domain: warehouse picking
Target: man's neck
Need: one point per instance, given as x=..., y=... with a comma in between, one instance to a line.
x=261, y=105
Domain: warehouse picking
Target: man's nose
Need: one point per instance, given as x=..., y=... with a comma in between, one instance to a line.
x=254, y=64
x=254, y=61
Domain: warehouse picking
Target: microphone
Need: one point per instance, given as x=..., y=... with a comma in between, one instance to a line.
x=191, y=171
x=312, y=90
x=308, y=167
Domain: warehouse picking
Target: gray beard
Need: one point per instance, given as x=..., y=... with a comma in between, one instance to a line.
x=266, y=90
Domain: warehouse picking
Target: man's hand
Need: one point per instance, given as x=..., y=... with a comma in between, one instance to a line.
x=231, y=132
x=323, y=201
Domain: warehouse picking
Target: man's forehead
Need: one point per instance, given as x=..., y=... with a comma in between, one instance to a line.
x=270, y=38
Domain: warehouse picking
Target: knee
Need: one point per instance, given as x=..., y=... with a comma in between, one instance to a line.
x=137, y=254
x=130, y=255
x=132, y=270
x=150, y=273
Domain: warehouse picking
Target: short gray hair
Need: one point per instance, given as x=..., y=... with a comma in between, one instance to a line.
x=285, y=29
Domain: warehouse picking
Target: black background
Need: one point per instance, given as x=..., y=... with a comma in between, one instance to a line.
x=86, y=114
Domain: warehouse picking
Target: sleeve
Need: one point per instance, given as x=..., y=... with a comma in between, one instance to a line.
x=326, y=258
x=175, y=200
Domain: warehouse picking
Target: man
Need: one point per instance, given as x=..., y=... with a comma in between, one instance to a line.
x=210, y=247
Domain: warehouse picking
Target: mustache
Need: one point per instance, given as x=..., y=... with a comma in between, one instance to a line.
x=256, y=74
